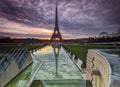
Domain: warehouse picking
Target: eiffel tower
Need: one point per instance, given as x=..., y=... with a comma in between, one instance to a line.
x=56, y=36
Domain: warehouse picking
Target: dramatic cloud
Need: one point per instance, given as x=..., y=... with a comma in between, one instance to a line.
x=77, y=18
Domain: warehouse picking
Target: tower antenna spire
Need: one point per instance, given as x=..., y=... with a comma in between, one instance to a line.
x=56, y=3
x=56, y=14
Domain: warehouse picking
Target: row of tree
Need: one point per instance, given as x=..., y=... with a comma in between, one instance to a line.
x=82, y=41
x=103, y=39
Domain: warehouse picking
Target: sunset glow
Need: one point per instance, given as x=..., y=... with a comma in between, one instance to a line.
x=14, y=28
x=76, y=18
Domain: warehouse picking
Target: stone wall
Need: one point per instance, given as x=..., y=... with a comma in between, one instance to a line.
x=98, y=69
x=13, y=70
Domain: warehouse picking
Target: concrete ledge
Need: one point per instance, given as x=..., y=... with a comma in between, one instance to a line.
x=103, y=69
x=13, y=70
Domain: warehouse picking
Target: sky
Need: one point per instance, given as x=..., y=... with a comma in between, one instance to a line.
x=77, y=18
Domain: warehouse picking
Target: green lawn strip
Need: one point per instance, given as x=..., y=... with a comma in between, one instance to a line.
x=24, y=75
x=81, y=51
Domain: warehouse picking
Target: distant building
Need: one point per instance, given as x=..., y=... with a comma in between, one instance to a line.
x=119, y=31
x=103, y=34
x=115, y=34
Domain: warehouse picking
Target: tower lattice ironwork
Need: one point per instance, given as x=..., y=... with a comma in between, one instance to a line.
x=56, y=36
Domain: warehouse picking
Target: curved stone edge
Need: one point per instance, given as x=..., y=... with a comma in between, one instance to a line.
x=95, y=58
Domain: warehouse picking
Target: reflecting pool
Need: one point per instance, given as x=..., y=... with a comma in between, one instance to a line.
x=56, y=64
x=52, y=67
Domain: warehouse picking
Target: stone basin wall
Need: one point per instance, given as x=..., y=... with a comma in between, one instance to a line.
x=13, y=70
x=102, y=69
x=96, y=62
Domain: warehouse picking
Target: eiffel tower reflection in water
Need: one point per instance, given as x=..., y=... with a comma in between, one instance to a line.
x=56, y=50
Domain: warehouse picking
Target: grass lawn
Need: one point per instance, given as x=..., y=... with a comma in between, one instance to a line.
x=81, y=51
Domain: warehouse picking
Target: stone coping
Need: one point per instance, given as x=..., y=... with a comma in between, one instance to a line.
x=114, y=62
